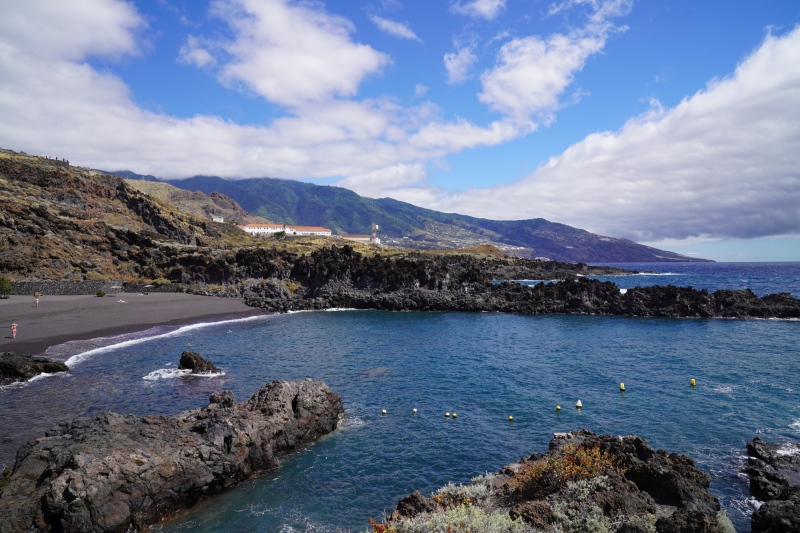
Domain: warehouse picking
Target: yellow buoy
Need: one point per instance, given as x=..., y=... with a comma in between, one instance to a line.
x=510, y=418
x=455, y=415
x=383, y=412
x=558, y=407
x=578, y=405
x=447, y=415
x=622, y=387
x=693, y=382
x=415, y=410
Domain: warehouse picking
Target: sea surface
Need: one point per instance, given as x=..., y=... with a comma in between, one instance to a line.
x=482, y=366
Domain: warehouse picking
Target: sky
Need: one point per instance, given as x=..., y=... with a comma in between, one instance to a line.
x=672, y=123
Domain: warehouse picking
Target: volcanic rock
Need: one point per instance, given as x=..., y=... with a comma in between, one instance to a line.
x=341, y=277
x=643, y=489
x=21, y=367
x=774, y=479
x=114, y=472
x=194, y=362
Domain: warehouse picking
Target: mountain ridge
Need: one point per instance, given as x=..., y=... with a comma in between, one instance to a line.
x=409, y=226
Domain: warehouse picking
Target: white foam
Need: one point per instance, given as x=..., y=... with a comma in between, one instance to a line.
x=788, y=449
x=165, y=373
x=172, y=373
x=78, y=358
x=623, y=291
x=723, y=389
x=655, y=274
x=353, y=422
x=38, y=377
x=795, y=425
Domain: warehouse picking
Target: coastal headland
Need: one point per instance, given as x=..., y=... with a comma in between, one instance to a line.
x=341, y=277
x=584, y=482
x=116, y=472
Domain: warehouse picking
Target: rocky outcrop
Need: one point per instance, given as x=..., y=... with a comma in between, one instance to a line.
x=21, y=367
x=116, y=472
x=340, y=277
x=775, y=480
x=587, y=482
x=194, y=362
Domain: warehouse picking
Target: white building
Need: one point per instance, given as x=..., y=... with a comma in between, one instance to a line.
x=356, y=237
x=363, y=238
x=217, y=219
x=268, y=229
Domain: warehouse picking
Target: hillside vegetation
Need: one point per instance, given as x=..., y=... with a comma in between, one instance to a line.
x=405, y=225
x=196, y=203
x=71, y=223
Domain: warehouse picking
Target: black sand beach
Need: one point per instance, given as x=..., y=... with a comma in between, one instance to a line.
x=59, y=319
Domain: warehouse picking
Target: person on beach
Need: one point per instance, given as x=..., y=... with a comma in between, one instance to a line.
x=36, y=301
x=13, y=331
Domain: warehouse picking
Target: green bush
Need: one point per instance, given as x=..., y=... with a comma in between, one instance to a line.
x=5, y=288
x=100, y=293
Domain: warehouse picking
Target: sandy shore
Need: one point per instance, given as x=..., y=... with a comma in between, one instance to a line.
x=59, y=319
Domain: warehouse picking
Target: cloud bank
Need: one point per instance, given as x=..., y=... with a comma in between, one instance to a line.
x=723, y=163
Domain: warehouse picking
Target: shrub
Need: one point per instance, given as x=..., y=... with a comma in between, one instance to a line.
x=582, y=490
x=459, y=519
x=476, y=492
x=161, y=281
x=548, y=475
x=100, y=293
x=581, y=518
x=5, y=288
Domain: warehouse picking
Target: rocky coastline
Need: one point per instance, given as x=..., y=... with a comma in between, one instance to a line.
x=342, y=278
x=584, y=482
x=115, y=472
x=22, y=367
x=775, y=480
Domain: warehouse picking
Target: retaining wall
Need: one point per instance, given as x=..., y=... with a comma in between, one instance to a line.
x=58, y=288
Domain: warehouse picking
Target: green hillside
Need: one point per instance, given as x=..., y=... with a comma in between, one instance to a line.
x=403, y=224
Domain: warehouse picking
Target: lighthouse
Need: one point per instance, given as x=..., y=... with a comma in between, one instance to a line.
x=374, y=237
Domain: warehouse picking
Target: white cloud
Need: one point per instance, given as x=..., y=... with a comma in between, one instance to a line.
x=46, y=29
x=458, y=64
x=721, y=164
x=420, y=90
x=486, y=9
x=61, y=106
x=398, y=181
x=293, y=53
x=532, y=72
x=395, y=28
x=194, y=52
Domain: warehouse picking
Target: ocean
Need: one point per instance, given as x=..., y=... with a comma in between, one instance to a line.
x=482, y=366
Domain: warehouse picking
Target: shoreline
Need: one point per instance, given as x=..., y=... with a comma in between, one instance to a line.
x=60, y=319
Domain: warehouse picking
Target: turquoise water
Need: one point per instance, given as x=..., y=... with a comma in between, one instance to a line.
x=482, y=366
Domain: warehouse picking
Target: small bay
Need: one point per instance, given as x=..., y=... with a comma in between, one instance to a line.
x=483, y=366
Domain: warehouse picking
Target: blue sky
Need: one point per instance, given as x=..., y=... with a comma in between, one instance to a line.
x=673, y=123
